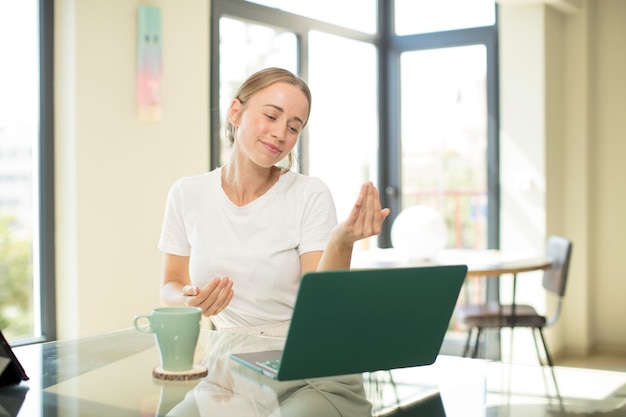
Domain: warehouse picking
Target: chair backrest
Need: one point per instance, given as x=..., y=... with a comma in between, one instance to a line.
x=559, y=250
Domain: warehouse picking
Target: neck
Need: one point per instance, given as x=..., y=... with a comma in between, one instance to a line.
x=244, y=185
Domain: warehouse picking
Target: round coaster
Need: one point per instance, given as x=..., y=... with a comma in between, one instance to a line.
x=197, y=372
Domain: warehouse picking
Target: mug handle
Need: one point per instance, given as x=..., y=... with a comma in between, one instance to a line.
x=143, y=329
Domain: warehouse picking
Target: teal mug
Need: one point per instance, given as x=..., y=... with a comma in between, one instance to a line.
x=176, y=330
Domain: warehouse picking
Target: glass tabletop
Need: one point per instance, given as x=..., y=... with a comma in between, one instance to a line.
x=112, y=375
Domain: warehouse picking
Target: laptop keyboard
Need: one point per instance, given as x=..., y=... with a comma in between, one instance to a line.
x=271, y=364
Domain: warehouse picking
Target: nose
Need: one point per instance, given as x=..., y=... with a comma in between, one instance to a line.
x=279, y=132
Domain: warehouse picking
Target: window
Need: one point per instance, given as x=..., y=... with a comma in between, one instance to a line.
x=427, y=16
x=343, y=145
x=244, y=49
x=364, y=20
x=26, y=209
x=414, y=111
x=253, y=40
x=444, y=138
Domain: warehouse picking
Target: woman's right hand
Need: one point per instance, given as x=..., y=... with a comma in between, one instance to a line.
x=211, y=299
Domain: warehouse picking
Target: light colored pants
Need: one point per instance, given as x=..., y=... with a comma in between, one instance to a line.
x=279, y=329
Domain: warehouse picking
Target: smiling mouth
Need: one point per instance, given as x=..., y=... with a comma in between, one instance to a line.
x=271, y=148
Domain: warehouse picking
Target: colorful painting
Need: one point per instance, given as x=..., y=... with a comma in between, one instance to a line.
x=149, y=63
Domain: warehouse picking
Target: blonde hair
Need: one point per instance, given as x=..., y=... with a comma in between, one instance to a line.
x=261, y=80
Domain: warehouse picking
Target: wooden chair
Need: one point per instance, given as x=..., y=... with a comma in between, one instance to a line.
x=499, y=316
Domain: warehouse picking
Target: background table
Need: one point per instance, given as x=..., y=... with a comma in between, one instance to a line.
x=479, y=262
x=110, y=375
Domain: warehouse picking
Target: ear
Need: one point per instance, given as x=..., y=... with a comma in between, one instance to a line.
x=234, y=111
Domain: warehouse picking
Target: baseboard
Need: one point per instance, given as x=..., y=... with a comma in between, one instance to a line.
x=602, y=349
x=598, y=349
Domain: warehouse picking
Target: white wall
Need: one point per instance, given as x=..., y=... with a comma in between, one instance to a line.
x=575, y=330
x=608, y=196
x=113, y=171
x=562, y=106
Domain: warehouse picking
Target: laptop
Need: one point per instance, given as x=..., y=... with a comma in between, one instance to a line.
x=353, y=321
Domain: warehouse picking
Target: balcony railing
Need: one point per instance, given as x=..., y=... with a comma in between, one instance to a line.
x=465, y=213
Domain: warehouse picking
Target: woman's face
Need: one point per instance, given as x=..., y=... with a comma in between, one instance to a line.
x=269, y=124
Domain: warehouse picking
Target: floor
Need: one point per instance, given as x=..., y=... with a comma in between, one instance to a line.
x=497, y=389
x=520, y=394
x=525, y=353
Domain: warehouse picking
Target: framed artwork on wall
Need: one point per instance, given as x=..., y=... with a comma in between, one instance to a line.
x=149, y=63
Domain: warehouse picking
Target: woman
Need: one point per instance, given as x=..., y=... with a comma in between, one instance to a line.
x=238, y=239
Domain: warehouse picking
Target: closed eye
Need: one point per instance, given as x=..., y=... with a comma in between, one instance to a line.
x=294, y=124
x=293, y=128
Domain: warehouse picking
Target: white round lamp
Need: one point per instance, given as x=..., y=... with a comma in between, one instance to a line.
x=419, y=231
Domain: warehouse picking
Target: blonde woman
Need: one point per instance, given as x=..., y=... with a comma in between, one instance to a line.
x=236, y=240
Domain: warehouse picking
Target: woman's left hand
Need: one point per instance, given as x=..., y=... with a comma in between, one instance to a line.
x=365, y=219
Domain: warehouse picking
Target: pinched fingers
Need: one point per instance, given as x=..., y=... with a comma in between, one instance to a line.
x=366, y=217
x=372, y=216
x=223, y=299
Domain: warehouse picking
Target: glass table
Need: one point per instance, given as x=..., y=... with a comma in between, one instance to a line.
x=111, y=375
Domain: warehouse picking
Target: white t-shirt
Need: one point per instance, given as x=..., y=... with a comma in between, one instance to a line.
x=258, y=245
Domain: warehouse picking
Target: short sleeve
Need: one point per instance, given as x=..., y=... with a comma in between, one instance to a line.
x=174, y=238
x=319, y=217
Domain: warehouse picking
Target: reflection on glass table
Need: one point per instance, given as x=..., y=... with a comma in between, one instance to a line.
x=112, y=375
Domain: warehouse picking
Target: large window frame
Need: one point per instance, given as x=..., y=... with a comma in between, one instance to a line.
x=46, y=211
x=390, y=46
